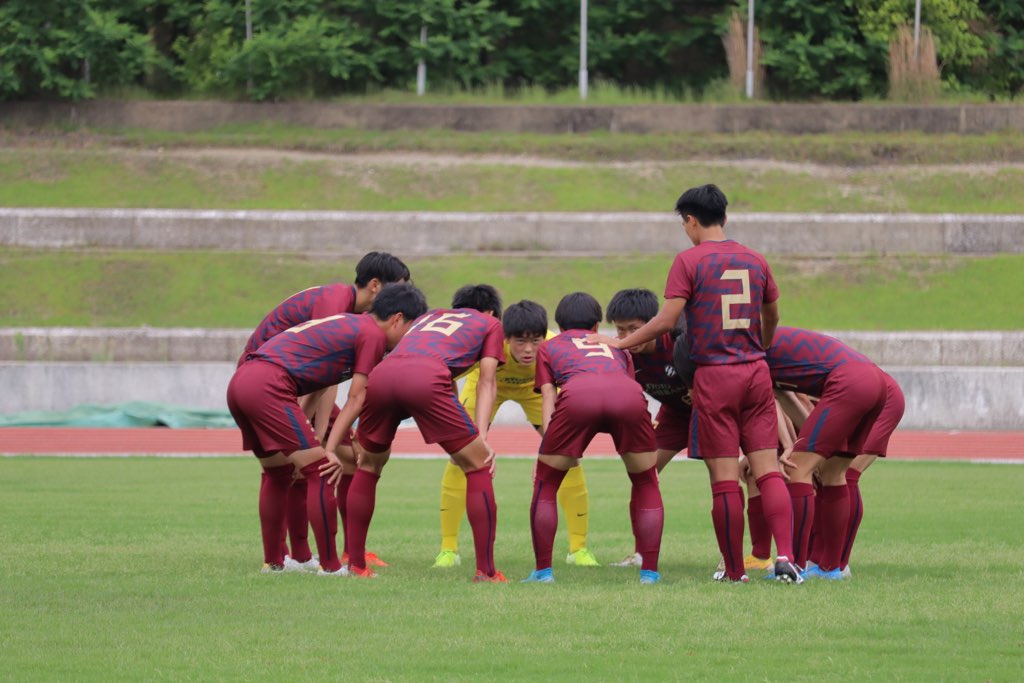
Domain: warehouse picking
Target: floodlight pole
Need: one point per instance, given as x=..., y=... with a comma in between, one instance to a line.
x=750, y=50
x=917, y=33
x=583, y=50
x=421, y=66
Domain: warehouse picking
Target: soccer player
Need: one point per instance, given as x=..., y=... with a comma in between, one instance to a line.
x=598, y=394
x=262, y=397
x=417, y=380
x=852, y=393
x=373, y=271
x=731, y=303
x=525, y=325
x=628, y=311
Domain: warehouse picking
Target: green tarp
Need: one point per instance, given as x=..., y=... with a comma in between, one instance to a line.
x=130, y=414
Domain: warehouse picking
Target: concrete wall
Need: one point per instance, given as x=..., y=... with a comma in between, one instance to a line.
x=353, y=232
x=184, y=344
x=681, y=118
x=937, y=398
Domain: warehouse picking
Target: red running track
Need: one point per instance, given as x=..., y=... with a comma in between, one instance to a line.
x=513, y=441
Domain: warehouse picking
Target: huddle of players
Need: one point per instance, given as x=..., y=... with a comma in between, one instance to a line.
x=283, y=398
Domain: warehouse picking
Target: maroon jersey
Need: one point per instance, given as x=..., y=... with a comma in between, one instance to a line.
x=801, y=360
x=561, y=358
x=656, y=373
x=459, y=338
x=724, y=284
x=309, y=304
x=325, y=352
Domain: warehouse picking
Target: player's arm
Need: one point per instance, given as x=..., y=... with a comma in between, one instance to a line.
x=793, y=407
x=664, y=322
x=343, y=424
x=769, y=321
x=467, y=397
x=548, y=396
x=324, y=407
x=486, y=394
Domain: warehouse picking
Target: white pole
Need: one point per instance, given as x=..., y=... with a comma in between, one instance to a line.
x=583, y=49
x=750, y=50
x=917, y=32
x=421, y=67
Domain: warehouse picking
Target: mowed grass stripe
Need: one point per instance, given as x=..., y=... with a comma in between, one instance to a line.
x=206, y=289
x=147, y=569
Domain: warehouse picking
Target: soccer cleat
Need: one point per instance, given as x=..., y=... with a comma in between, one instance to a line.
x=373, y=560
x=271, y=568
x=719, y=572
x=631, y=560
x=787, y=572
x=447, y=558
x=724, y=578
x=310, y=565
x=648, y=576
x=364, y=573
x=752, y=562
x=540, y=576
x=497, y=577
x=582, y=558
x=847, y=574
x=817, y=572
x=341, y=572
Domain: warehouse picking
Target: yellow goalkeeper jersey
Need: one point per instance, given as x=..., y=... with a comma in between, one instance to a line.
x=514, y=383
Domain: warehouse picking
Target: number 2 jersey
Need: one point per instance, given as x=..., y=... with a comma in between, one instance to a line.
x=309, y=304
x=724, y=284
x=563, y=357
x=322, y=353
x=459, y=338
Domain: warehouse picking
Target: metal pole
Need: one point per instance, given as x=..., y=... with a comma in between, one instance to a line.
x=421, y=66
x=750, y=50
x=583, y=50
x=917, y=33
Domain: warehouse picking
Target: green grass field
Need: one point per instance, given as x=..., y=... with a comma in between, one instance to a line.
x=206, y=289
x=147, y=569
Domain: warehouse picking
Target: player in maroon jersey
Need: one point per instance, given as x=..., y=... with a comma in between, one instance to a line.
x=852, y=393
x=262, y=397
x=598, y=394
x=628, y=311
x=417, y=380
x=731, y=304
x=373, y=271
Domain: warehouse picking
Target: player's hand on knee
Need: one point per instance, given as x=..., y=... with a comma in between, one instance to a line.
x=786, y=460
x=331, y=469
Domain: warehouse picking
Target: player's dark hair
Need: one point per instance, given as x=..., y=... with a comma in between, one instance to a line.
x=399, y=297
x=380, y=265
x=685, y=368
x=632, y=304
x=578, y=311
x=525, y=318
x=705, y=203
x=479, y=298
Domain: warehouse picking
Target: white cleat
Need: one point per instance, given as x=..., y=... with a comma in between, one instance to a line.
x=310, y=565
x=341, y=572
x=631, y=560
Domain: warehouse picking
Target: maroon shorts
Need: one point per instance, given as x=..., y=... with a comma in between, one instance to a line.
x=850, y=403
x=261, y=398
x=877, y=442
x=733, y=410
x=417, y=387
x=592, y=403
x=346, y=439
x=672, y=426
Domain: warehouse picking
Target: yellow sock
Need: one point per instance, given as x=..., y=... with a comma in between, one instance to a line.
x=453, y=506
x=575, y=502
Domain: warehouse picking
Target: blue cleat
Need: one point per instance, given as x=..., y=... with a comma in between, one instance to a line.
x=648, y=576
x=817, y=572
x=540, y=576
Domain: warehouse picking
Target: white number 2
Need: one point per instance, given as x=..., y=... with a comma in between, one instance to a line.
x=728, y=322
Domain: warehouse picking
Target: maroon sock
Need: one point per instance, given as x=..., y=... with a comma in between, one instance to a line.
x=834, y=502
x=342, y=495
x=802, y=496
x=274, y=486
x=298, y=522
x=359, y=504
x=815, y=546
x=856, y=514
x=483, y=517
x=760, y=534
x=632, y=519
x=778, y=512
x=322, y=510
x=727, y=515
x=650, y=516
x=544, y=513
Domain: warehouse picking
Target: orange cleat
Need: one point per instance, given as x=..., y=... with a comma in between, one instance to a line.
x=364, y=573
x=372, y=560
x=498, y=577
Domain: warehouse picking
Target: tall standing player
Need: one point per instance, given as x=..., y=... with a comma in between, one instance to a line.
x=417, y=380
x=731, y=303
x=262, y=397
x=598, y=394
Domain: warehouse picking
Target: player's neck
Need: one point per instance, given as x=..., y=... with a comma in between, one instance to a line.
x=715, y=233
